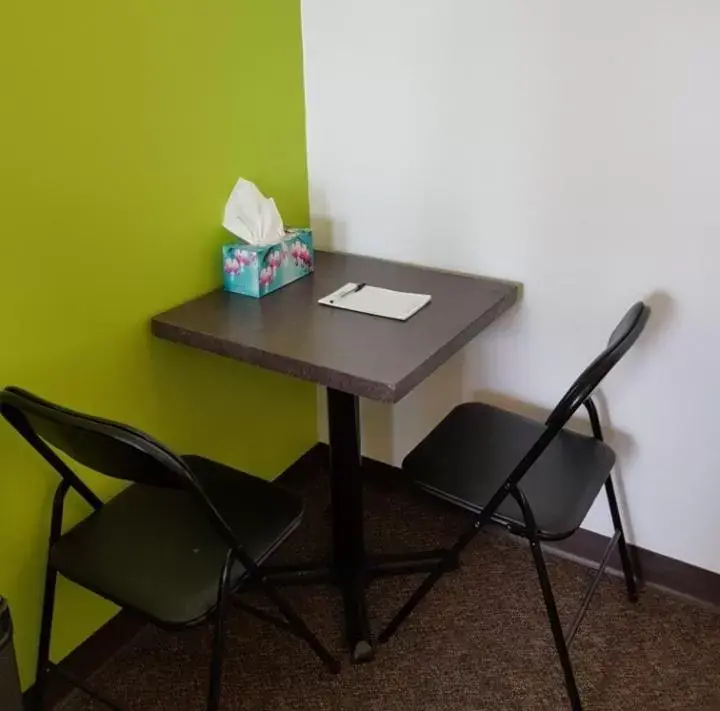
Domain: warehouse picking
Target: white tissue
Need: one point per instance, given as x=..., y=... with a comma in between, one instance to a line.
x=251, y=216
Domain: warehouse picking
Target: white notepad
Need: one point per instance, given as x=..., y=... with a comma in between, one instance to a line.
x=373, y=300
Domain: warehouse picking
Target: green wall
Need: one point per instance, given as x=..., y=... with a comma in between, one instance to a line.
x=122, y=130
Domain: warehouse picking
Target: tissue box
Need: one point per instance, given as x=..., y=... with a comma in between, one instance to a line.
x=259, y=270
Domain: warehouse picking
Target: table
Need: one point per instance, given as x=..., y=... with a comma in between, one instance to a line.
x=353, y=355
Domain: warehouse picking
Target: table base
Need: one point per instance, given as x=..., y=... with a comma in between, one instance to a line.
x=352, y=584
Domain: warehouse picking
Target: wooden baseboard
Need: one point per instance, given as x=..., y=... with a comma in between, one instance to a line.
x=674, y=576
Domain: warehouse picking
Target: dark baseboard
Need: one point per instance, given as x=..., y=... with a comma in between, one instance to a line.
x=317, y=457
x=90, y=656
x=586, y=547
x=654, y=569
x=674, y=576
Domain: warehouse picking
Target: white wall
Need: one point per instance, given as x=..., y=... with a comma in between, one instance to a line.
x=572, y=146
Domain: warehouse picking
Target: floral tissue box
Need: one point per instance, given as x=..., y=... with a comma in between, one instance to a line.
x=258, y=270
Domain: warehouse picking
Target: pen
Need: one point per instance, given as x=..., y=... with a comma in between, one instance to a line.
x=355, y=289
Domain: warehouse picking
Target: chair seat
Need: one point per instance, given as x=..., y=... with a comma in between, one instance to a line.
x=468, y=456
x=155, y=550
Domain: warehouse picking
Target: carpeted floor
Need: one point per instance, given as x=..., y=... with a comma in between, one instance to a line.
x=479, y=641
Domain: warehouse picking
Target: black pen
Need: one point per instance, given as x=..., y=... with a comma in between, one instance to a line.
x=361, y=285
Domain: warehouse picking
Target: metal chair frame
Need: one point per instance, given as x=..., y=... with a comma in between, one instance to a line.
x=579, y=394
x=15, y=406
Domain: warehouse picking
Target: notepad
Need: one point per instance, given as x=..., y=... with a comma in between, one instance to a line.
x=373, y=300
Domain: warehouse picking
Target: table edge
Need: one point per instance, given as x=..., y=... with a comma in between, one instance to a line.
x=285, y=365
x=319, y=375
x=453, y=346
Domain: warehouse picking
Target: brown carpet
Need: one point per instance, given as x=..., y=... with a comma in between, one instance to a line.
x=479, y=641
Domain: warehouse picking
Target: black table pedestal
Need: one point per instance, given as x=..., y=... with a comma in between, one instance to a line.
x=348, y=547
x=350, y=568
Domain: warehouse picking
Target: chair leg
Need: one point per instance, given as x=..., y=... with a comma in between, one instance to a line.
x=555, y=625
x=43, y=660
x=630, y=581
x=299, y=628
x=213, y=703
x=448, y=562
x=218, y=645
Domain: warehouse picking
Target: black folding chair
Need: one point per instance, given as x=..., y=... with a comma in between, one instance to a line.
x=478, y=457
x=172, y=546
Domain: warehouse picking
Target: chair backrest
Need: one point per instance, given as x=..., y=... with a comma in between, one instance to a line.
x=107, y=447
x=620, y=342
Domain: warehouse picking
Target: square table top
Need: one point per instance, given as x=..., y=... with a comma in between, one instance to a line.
x=377, y=358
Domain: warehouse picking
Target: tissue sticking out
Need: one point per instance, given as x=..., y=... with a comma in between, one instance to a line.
x=252, y=217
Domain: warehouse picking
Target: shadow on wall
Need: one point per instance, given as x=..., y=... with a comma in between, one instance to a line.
x=663, y=310
x=328, y=234
x=420, y=411
x=662, y=314
x=389, y=432
x=622, y=442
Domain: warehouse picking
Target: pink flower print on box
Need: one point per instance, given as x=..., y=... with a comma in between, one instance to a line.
x=297, y=250
x=301, y=254
x=305, y=257
x=232, y=266
x=245, y=258
x=273, y=261
x=266, y=276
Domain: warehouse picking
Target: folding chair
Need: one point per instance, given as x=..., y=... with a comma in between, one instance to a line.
x=172, y=546
x=537, y=480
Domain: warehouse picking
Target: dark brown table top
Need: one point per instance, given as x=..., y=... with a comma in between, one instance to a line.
x=381, y=359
